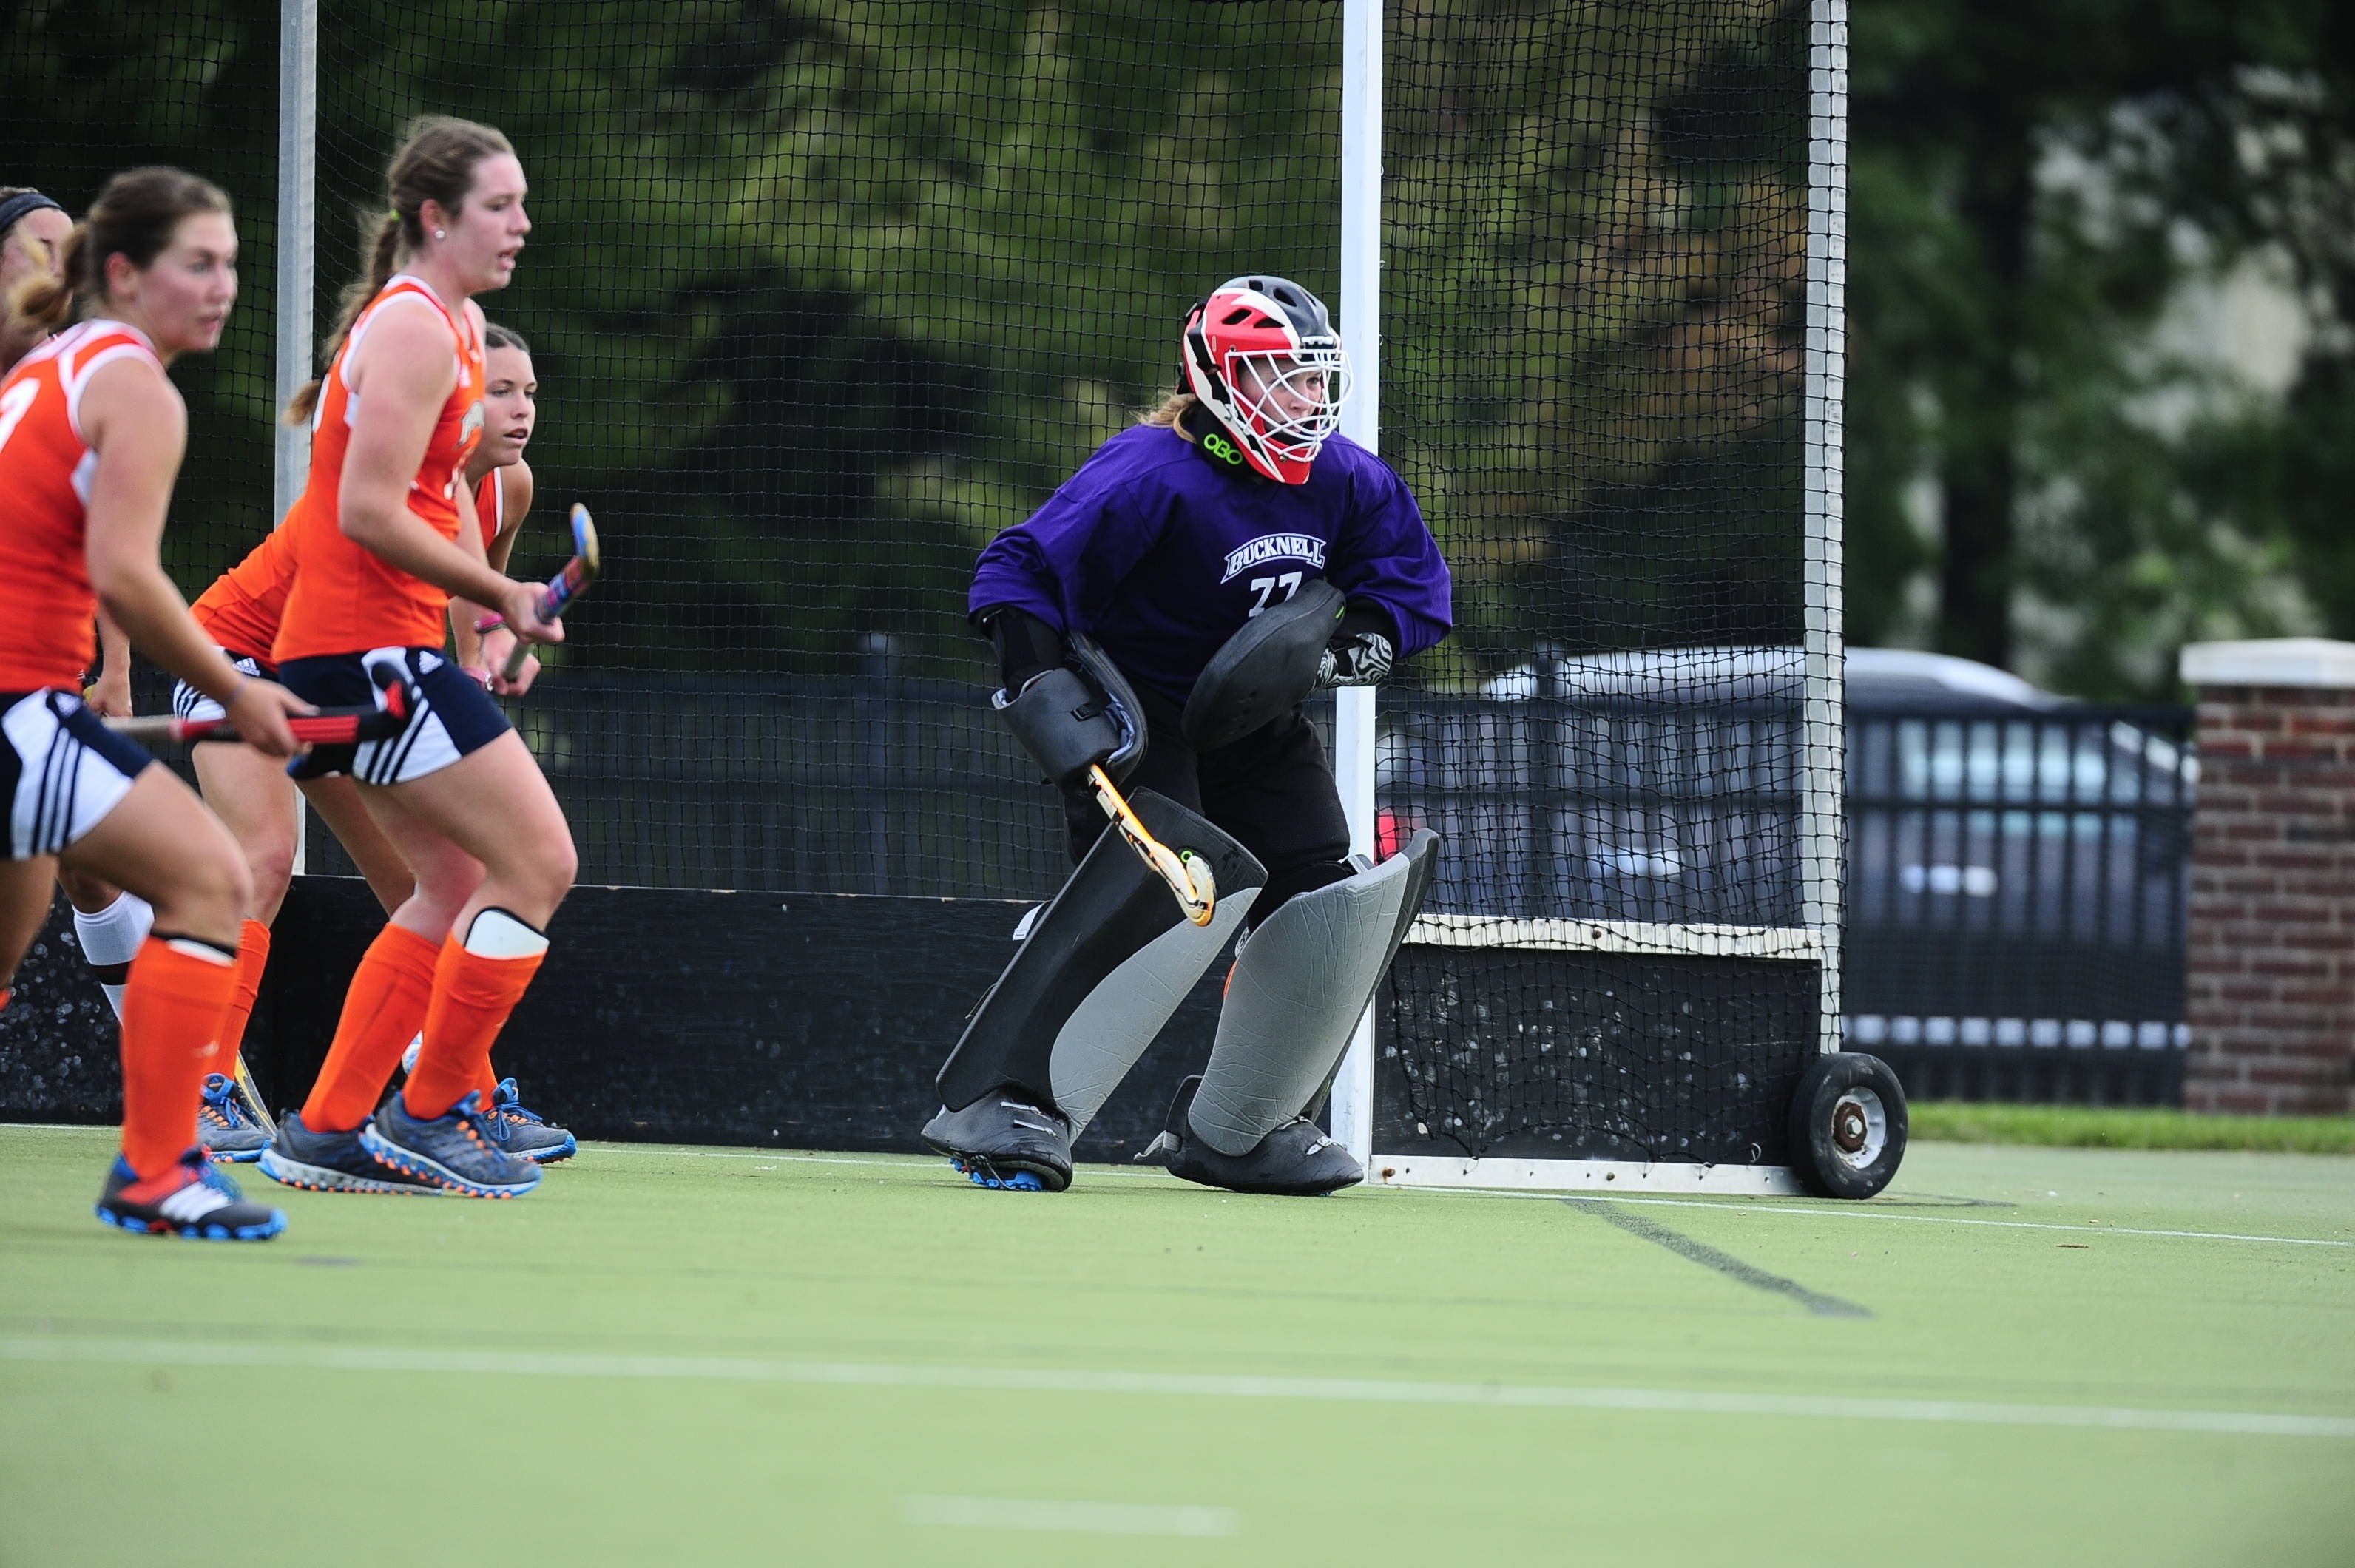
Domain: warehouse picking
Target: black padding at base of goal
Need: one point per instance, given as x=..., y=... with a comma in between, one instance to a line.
x=59, y=1056
x=800, y=1020
x=784, y=1019
x=1501, y=1052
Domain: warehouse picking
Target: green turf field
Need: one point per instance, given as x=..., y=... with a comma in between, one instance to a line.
x=663, y=1356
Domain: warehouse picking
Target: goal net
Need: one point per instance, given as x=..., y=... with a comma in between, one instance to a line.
x=824, y=293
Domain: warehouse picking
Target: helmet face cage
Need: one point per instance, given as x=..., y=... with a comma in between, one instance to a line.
x=1262, y=356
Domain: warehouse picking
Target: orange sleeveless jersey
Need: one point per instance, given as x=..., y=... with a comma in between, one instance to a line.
x=48, y=636
x=491, y=506
x=242, y=610
x=345, y=599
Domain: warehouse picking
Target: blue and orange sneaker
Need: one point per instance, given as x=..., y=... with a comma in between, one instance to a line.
x=460, y=1152
x=190, y=1199
x=527, y=1132
x=225, y=1125
x=319, y=1160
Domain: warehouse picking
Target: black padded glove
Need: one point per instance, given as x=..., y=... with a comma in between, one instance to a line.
x=1361, y=650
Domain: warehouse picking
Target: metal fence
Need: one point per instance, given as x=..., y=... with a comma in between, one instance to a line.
x=2015, y=879
x=2017, y=888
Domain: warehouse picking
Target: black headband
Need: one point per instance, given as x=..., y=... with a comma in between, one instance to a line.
x=21, y=204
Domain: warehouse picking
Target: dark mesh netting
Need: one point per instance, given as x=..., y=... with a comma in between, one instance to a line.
x=1595, y=374
x=821, y=297
x=108, y=85
x=824, y=293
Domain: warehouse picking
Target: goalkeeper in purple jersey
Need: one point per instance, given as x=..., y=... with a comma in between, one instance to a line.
x=1162, y=616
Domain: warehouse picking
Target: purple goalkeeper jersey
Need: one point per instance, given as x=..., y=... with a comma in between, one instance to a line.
x=1161, y=553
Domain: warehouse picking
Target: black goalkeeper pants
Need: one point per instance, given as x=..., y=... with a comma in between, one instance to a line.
x=1272, y=790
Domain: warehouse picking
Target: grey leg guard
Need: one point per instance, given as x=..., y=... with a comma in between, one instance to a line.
x=1299, y=986
x=1101, y=972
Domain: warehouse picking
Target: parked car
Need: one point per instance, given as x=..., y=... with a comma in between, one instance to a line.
x=2016, y=864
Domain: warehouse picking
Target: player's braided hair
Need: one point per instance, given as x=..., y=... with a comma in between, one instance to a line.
x=134, y=218
x=436, y=163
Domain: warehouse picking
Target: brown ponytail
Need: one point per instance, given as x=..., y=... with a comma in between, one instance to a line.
x=1168, y=410
x=134, y=218
x=436, y=163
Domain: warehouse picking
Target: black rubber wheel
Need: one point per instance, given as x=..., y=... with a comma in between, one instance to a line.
x=1848, y=1125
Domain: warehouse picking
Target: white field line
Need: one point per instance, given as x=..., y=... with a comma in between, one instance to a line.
x=1084, y=1518
x=1184, y=1385
x=1863, y=1212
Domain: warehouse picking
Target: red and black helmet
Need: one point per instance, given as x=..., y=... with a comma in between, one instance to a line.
x=1262, y=354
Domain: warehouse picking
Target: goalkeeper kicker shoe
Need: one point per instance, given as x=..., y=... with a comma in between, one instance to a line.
x=324, y=1161
x=189, y=1199
x=225, y=1126
x=1295, y=1160
x=526, y=1132
x=1003, y=1141
x=459, y=1151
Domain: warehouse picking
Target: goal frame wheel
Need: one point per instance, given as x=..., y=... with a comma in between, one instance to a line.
x=1848, y=1125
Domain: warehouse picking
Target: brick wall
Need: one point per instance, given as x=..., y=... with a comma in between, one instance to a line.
x=2272, y=937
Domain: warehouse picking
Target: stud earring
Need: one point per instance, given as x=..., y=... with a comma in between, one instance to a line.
x=440, y=234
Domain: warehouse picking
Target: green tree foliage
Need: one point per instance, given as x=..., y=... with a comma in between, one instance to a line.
x=1597, y=251
x=108, y=84
x=825, y=292
x=2035, y=187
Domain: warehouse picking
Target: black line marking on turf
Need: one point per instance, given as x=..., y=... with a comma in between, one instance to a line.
x=1726, y=1264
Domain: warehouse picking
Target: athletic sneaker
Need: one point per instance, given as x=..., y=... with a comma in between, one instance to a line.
x=1295, y=1160
x=527, y=1132
x=459, y=1152
x=190, y=1199
x=225, y=1125
x=1003, y=1140
x=331, y=1162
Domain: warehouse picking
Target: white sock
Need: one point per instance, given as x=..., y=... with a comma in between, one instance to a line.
x=496, y=933
x=110, y=938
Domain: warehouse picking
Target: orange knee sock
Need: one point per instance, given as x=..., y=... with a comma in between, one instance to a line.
x=178, y=990
x=252, y=958
x=382, y=1009
x=473, y=995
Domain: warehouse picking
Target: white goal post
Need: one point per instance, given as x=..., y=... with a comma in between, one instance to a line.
x=1817, y=940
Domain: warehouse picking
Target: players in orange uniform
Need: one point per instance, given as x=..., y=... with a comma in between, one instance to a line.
x=253, y=796
x=32, y=230
x=91, y=433
x=502, y=483
x=384, y=538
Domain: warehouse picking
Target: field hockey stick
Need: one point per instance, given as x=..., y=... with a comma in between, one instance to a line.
x=252, y=1092
x=562, y=588
x=328, y=726
x=1189, y=877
